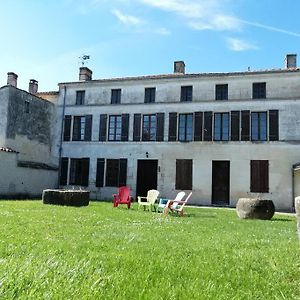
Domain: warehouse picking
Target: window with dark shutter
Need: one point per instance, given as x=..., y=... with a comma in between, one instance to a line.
x=273, y=125
x=207, y=130
x=76, y=128
x=85, y=168
x=172, y=126
x=185, y=127
x=102, y=129
x=137, y=127
x=100, y=172
x=221, y=126
x=258, y=126
x=235, y=125
x=198, y=126
x=88, y=128
x=149, y=128
x=115, y=128
x=259, y=90
x=112, y=172
x=115, y=96
x=259, y=176
x=221, y=91
x=150, y=95
x=160, y=119
x=80, y=97
x=186, y=94
x=64, y=164
x=125, y=127
x=184, y=174
x=67, y=128
x=245, y=125
x=122, y=172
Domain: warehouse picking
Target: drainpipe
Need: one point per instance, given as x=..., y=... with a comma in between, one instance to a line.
x=61, y=135
x=293, y=186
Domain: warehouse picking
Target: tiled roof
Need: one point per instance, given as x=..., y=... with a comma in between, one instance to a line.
x=191, y=75
x=5, y=149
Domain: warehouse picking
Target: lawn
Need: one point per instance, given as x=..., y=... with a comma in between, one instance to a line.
x=98, y=252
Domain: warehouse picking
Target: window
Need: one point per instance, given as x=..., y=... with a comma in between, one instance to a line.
x=184, y=174
x=115, y=128
x=100, y=172
x=115, y=96
x=221, y=91
x=26, y=107
x=63, y=176
x=185, y=127
x=259, y=90
x=150, y=95
x=79, y=171
x=80, y=97
x=259, y=176
x=116, y=172
x=82, y=128
x=149, y=128
x=258, y=126
x=221, y=126
x=186, y=94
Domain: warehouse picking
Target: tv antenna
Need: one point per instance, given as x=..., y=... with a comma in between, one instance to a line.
x=83, y=59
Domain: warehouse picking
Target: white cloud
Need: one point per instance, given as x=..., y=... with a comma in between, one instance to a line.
x=163, y=31
x=239, y=45
x=127, y=19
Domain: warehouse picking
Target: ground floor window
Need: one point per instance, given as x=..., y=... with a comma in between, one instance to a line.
x=184, y=174
x=116, y=172
x=259, y=176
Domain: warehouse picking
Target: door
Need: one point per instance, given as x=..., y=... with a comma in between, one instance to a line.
x=220, y=182
x=146, y=176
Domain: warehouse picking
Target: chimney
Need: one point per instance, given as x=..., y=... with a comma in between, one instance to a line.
x=291, y=61
x=179, y=67
x=33, y=86
x=12, y=79
x=85, y=74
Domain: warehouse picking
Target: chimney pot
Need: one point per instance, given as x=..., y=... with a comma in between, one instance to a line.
x=291, y=61
x=85, y=74
x=179, y=67
x=12, y=79
x=33, y=86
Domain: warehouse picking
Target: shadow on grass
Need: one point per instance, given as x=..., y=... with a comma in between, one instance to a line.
x=280, y=220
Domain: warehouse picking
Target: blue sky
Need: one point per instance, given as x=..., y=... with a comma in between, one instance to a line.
x=43, y=40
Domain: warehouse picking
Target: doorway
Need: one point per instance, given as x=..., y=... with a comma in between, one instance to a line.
x=220, y=182
x=146, y=176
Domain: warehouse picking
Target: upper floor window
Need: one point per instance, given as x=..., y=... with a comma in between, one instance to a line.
x=150, y=95
x=149, y=128
x=221, y=126
x=221, y=91
x=80, y=97
x=186, y=94
x=115, y=128
x=115, y=96
x=185, y=132
x=259, y=90
x=258, y=126
x=82, y=128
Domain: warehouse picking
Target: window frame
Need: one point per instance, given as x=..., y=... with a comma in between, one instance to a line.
x=150, y=95
x=259, y=126
x=185, y=127
x=184, y=174
x=221, y=92
x=259, y=90
x=152, y=126
x=259, y=176
x=115, y=125
x=80, y=97
x=115, y=96
x=186, y=94
x=224, y=135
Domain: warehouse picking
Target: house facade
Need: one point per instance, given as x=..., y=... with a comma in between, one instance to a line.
x=222, y=135
x=26, y=162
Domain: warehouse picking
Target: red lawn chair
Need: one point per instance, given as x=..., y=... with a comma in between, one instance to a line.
x=123, y=197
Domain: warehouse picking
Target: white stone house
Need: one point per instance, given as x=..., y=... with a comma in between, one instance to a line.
x=26, y=162
x=221, y=135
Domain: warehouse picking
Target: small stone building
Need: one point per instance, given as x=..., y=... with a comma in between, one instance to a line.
x=26, y=162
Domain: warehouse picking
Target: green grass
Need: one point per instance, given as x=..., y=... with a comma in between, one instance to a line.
x=97, y=252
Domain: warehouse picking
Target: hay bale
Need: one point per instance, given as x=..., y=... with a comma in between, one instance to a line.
x=66, y=197
x=254, y=208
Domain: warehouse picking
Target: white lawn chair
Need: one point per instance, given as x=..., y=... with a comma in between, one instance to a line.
x=177, y=205
x=149, y=200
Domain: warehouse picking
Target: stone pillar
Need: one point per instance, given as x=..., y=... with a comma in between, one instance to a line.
x=297, y=208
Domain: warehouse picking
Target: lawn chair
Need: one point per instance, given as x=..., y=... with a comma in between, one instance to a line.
x=150, y=200
x=123, y=197
x=177, y=205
